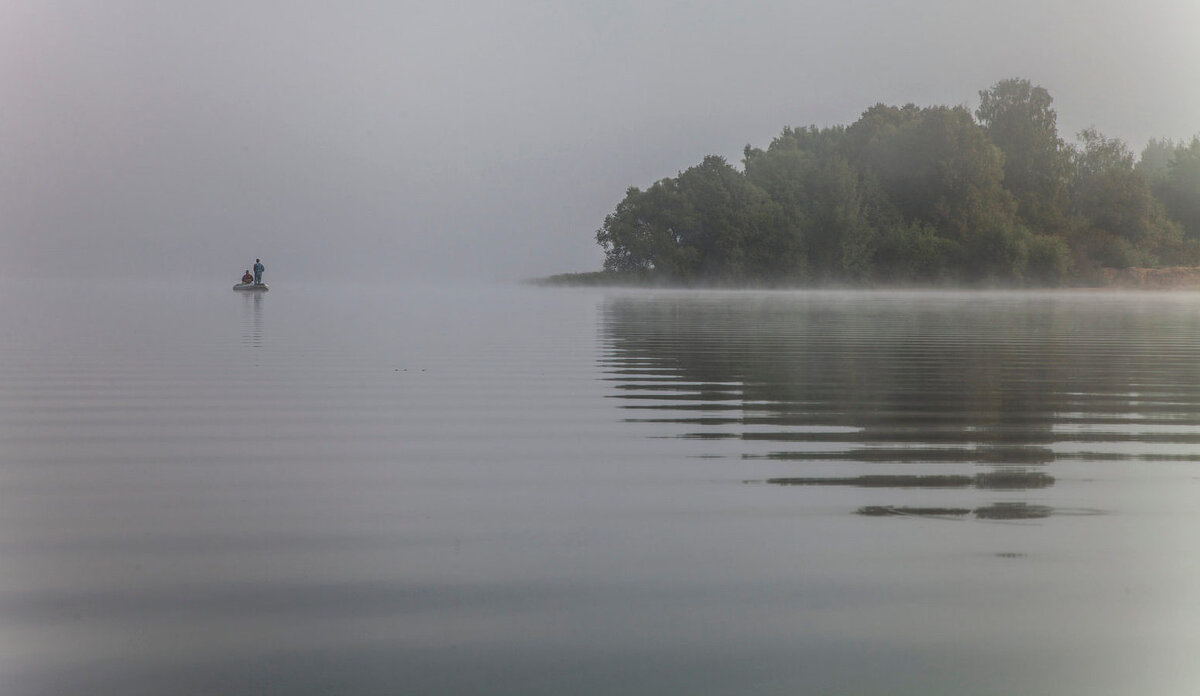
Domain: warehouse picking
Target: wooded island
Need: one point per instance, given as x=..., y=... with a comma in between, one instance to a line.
x=909, y=195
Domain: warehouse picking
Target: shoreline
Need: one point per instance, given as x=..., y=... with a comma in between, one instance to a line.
x=1170, y=278
x=1166, y=278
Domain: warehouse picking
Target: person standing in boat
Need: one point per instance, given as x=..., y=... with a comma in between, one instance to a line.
x=258, y=271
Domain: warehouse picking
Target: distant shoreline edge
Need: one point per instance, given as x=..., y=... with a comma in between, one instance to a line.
x=1133, y=278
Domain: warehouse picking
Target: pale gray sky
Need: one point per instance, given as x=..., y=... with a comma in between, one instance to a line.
x=476, y=139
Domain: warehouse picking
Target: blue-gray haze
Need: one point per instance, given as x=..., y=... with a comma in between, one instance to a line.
x=473, y=139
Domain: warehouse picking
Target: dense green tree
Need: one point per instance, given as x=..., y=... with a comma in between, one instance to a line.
x=803, y=172
x=940, y=172
x=876, y=124
x=1049, y=260
x=1156, y=159
x=738, y=232
x=936, y=165
x=915, y=253
x=918, y=195
x=645, y=232
x=1179, y=187
x=1115, y=201
x=708, y=223
x=1019, y=119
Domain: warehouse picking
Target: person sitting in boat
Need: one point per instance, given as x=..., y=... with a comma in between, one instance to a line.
x=246, y=277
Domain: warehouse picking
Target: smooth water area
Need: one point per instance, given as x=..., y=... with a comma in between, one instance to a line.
x=511, y=490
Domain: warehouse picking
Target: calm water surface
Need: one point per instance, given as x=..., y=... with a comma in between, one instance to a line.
x=511, y=490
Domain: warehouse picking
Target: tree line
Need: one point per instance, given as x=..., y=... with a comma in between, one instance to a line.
x=918, y=195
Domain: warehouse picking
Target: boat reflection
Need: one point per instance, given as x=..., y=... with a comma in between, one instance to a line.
x=252, y=319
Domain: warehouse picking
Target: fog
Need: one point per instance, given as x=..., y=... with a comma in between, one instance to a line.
x=470, y=139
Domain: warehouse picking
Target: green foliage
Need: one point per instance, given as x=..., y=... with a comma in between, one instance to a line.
x=1156, y=159
x=1049, y=260
x=709, y=223
x=936, y=165
x=819, y=196
x=917, y=195
x=1113, y=198
x=641, y=234
x=1095, y=248
x=916, y=254
x=996, y=253
x=1179, y=187
x=1019, y=119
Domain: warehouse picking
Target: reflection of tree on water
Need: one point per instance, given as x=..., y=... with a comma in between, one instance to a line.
x=996, y=511
x=994, y=480
x=868, y=380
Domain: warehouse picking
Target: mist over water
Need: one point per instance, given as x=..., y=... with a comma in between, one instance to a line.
x=510, y=490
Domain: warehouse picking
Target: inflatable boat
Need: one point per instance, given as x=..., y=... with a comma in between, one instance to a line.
x=252, y=287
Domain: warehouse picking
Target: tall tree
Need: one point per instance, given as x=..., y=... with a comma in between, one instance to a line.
x=937, y=166
x=646, y=232
x=1156, y=159
x=1123, y=223
x=1020, y=120
x=819, y=191
x=707, y=224
x=1179, y=189
x=944, y=178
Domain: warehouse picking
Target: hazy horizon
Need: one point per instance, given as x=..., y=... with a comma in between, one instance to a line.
x=472, y=140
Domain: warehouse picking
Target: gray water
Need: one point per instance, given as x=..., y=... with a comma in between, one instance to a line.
x=511, y=490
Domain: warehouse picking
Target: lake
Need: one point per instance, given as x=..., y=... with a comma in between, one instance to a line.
x=367, y=489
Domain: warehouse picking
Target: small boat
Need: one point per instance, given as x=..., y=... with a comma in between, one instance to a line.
x=252, y=287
